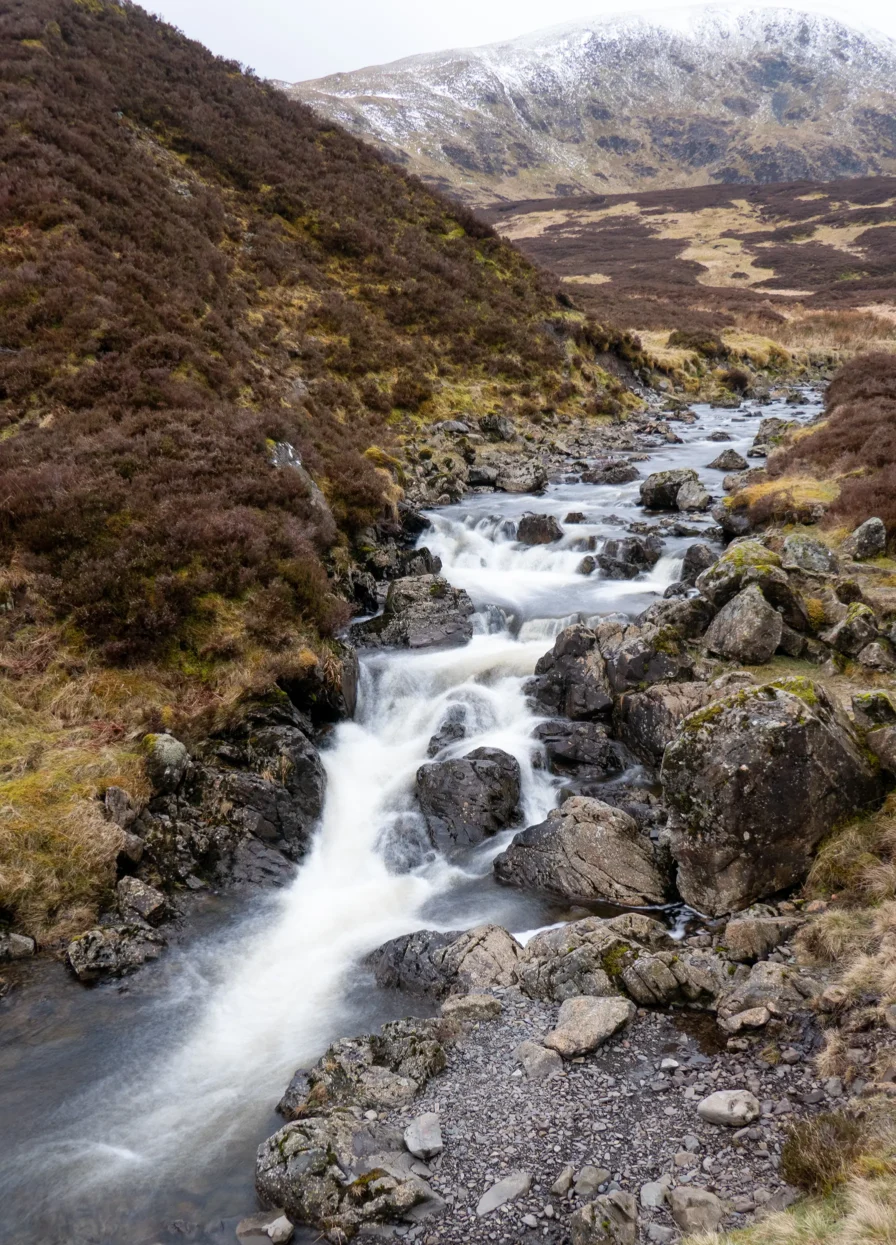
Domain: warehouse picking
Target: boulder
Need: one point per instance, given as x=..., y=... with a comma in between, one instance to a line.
x=614, y=473
x=753, y=782
x=497, y=427
x=627, y=557
x=372, y=1072
x=724, y=579
x=695, y=1210
x=139, y=902
x=660, y=490
x=687, y=618
x=746, y=630
x=340, y=1173
x=538, y=1062
x=691, y=977
x=610, y=1220
x=571, y=680
x=772, y=428
x=804, y=553
x=15, y=947
x=881, y=742
x=466, y=799
x=112, y=951
x=854, y=632
x=585, y=1023
x=728, y=460
x=528, y=477
x=422, y=611
x=776, y=989
x=697, y=558
x=538, y=529
x=692, y=496
x=482, y=476
x=167, y=762
x=581, y=750
x=878, y=655
x=635, y=658
x=750, y=938
x=436, y=964
x=869, y=540
x=423, y=1136
x=647, y=721
x=585, y=850
x=733, y=1108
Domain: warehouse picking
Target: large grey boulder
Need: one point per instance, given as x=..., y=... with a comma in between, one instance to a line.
x=587, y=956
x=112, y=951
x=585, y=1023
x=571, y=680
x=435, y=964
x=854, y=632
x=728, y=460
x=869, y=540
x=660, y=490
x=647, y=721
x=421, y=611
x=138, y=901
x=746, y=630
x=339, y=1173
x=638, y=657
x=466, y=799
x=585, y=850
x=692, y=496
x=697, y=558
x=516, y=477
x=805, y=553
x=725, y=578
x=538, y=529
x=753, y=783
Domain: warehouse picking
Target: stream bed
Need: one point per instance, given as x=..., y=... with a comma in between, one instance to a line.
x=130, y=1112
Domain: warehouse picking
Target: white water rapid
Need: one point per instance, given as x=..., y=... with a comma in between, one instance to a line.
x=145, y=1137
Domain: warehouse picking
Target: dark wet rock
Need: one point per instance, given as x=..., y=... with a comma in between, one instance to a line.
x=728, y=460
x=854, y=632
x=497, y=428
x=720, y=435
x=575, y=516
x=692, y=497
x=647, y=721
x=112, y=951
x=687, y=618
x=294, y=1096
x=697, y=558
x=340, y=1173
x=628, y=557
x=482, y=476
x=538, y=529
x=613, y=473
x=571, y=680
x=636, y=657
x=746, y=630
x=791, y=642
x=580, y=750
x=869, y=540
x=452, y=729
x=804, y=553
x=753, y=782
x=466, y=799
x=167, y=762
x=387, y=560
x=137, y=901
x=585, y=850
x=420, y=612
x=434, y=964
x=587, y=566
x=660, y=490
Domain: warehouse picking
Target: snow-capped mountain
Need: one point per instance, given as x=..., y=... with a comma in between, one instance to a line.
x=675, y=98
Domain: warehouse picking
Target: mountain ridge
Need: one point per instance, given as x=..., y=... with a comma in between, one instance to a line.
x=631, y=103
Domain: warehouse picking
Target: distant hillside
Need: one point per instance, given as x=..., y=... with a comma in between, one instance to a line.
x=195, y=267
x=678, y=98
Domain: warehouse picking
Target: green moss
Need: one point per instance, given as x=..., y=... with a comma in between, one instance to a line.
x=703, y=717
x=804, y=688
x=617, y=959
x=815, y=612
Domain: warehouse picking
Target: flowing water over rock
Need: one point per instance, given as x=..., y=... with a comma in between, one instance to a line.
x=132, y=1111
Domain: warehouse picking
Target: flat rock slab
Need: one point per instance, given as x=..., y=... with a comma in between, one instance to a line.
x=472, y=1007
x=515, y=1185
x=586, y=1023
x=732, y=1107
x=538, y=1062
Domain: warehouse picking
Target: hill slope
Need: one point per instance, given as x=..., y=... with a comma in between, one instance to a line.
x=679, y=98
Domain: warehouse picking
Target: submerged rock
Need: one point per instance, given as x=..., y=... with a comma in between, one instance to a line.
x=753, y=783
x=585, y=850
x=422, y=611
x=466, y=799
x=581, y=750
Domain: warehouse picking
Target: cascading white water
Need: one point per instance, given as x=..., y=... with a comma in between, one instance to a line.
x=274, y=992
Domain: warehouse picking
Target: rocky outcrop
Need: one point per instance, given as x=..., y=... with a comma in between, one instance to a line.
x=588, y=956
x=746, y=630
x=113, y=951
x=753, y=782
x=571, y=680
x=725, y=578
x=466, y=799
x=422, y=611
x=585, y=850
x=538, y=529
x=434, y=964
x=647, y=721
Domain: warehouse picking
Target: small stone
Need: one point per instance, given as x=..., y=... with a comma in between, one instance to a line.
x=280, y=1231
x=564, y=1182
x=139, y=902
x=833, y=1087
x=653, y=1195
x=589, y=1180
x=659, y=1234
x=692, y=1143
x=610, y=1220
x=517, y=1184
x=472, y=1007
x=423, y=1136
x=730, y=1107
x=529, y=1220
x=684, y=1158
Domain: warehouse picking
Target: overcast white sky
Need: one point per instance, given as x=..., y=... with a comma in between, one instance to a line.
x=297, y=39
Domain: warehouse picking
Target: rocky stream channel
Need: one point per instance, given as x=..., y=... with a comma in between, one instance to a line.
x=565, y=996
